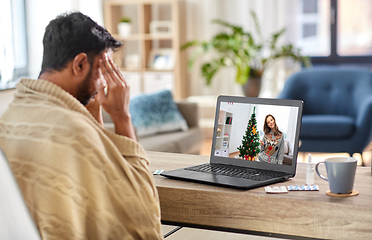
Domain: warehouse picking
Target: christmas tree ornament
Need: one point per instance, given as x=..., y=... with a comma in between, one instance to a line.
x=254, y=130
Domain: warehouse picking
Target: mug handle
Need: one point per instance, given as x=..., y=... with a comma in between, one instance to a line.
x=317, y=171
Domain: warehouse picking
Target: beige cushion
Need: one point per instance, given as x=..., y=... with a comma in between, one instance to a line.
x=175, y=142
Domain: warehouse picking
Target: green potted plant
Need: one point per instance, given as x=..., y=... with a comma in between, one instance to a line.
x=124, y=27
x=240, y=50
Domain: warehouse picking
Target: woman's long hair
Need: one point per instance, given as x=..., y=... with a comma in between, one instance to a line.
x=267, y=129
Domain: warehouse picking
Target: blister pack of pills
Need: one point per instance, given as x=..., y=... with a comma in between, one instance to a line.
x=157, y=172
x=303, y=188
x=281, y=189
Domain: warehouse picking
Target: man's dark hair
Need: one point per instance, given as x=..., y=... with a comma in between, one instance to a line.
x=70, y=34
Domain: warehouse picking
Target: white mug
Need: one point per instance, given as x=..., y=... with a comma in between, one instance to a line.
x=340, y=172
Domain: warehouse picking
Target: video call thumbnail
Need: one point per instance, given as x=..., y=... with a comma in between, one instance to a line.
x=256, y=132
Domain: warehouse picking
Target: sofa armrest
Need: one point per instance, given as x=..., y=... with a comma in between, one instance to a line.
x=363, y=122
x=364, y=116
x=190, y=111
x=106, y=117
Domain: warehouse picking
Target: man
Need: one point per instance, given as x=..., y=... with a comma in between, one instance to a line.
x=79, y=180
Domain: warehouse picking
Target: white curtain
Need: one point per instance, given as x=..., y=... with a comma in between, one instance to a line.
x=272, y=18
x=6, y=42
x=36, y=23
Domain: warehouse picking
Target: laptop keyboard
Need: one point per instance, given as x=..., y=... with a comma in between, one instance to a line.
x=238, y=172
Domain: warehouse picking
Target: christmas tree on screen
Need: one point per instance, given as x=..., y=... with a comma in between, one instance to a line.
x=251, y=140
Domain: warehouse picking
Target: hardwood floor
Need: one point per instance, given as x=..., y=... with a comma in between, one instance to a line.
x=302, y=156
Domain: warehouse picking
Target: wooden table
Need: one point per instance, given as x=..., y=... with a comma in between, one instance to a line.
x=309, y=214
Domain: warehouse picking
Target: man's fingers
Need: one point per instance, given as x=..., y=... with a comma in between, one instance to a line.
x=101, y=96
x=112, y=71
x=116, y=71
x=106, y=73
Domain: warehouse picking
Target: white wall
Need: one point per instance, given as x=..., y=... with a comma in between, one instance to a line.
x=38, y=14
x=6, y=96
x=272, y=18
x=199, y=14
x=37, y=22
x=241, y=115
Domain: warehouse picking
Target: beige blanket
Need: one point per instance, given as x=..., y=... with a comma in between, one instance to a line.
x=79, y=180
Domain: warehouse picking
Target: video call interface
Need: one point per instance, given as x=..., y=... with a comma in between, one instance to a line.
x=256, y=132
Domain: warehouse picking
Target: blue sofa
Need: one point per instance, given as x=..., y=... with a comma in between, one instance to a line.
x=337, y=114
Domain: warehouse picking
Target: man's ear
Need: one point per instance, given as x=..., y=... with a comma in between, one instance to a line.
x=80, y=64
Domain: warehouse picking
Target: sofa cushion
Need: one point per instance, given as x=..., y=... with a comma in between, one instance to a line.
x=155, y=113
x=326, y=126
x=176, y=142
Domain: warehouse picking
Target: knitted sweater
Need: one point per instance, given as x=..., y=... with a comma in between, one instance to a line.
x=79, y=180
x=272, y=151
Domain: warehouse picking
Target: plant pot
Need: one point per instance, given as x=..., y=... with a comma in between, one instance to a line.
x=124, y=29
x=253, y=87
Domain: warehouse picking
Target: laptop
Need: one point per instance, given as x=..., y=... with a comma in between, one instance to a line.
x=238, y=158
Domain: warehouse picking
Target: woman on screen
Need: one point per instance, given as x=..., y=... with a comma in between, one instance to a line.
x=272, y=144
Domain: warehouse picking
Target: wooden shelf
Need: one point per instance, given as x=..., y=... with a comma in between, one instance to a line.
x=138, y=37
x=141, y=44
x=223, y=141
x=132, y=37
x=163, y=36
x=145, y=70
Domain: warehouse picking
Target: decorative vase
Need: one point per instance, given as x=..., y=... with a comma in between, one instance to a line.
x=253, y=87
x=124, y=29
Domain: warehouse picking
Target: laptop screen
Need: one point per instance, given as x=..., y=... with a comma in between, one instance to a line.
x=259, y=131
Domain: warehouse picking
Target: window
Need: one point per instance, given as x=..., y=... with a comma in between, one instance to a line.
x=13, y=45
x=310, y=6
x=333, y=32
x=354, y=28
x=307, y=26
x=309, y=30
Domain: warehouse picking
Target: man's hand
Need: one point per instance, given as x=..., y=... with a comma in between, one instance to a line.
x=116, y=100
x=95, y=109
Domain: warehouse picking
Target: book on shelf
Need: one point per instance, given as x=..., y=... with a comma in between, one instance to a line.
x=228, y=120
